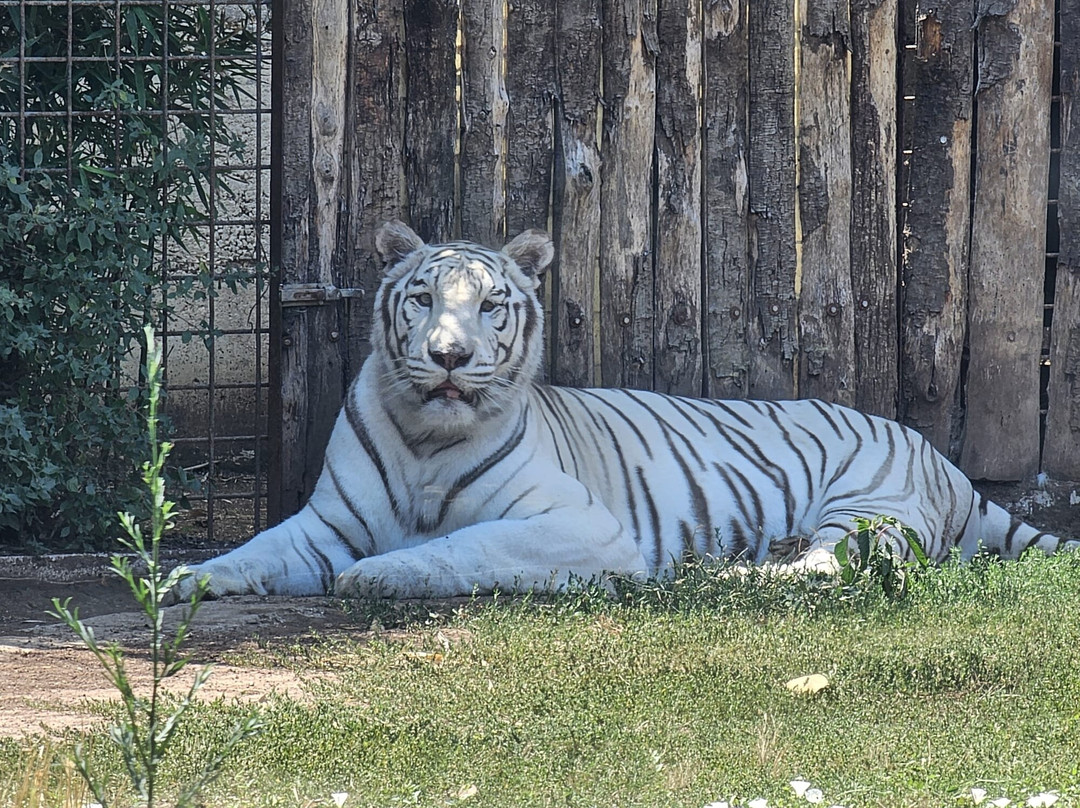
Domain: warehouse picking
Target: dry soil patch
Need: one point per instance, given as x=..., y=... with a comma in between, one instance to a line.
x=47, y=677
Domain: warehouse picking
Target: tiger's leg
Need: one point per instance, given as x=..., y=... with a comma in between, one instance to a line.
x=541, y=552
x=305, y=553
x=301, y=556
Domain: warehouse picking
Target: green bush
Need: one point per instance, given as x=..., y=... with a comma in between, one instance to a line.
x=82, y=267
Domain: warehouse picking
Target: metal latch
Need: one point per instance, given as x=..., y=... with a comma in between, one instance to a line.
x=315, y=294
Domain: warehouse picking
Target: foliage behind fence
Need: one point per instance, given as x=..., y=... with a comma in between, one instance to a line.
x=110, y=125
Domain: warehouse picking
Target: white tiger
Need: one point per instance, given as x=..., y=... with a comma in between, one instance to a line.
x=450, y=471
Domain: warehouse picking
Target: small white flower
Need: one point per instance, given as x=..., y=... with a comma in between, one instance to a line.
x=1043, y=800
x=978, y=795
x=657, y=759
x=760, y=802
x=1001, y=802
x=799, y=787
x=719, y=804
x=814, y=795
x=339, y=798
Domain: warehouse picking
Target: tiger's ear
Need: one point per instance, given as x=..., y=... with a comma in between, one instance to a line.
x=395, y=240
x=532, y=251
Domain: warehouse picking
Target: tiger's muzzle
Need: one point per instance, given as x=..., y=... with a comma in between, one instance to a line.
x=451, y=392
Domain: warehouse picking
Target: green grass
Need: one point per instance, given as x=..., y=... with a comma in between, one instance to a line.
x=673, y=695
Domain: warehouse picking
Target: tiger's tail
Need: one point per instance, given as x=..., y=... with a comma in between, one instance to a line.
x=992, y=529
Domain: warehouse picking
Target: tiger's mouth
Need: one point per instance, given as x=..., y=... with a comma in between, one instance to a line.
x=451, y=392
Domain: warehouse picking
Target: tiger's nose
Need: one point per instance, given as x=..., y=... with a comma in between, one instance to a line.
x=451, y=360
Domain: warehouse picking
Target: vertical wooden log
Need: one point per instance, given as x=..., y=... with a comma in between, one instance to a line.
x=826, y=317
x=936, y=222
x=626, y=272
x=330, y=27
x=530, y=85
x=727, y=274
x=311, y=383
x=874, y=57
x=677, y=257
x=577, y=186
x=773, y=335
x=1061, y=449
x=291, y=150
x=431, y=127
x=905, y=115
x=484, y=103
x=374, y=145
x=1008, y=239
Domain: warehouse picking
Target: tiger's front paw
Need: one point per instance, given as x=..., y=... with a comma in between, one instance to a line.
x=395, y=575
x=221, y=579
x=374, y=578
x=183, y=590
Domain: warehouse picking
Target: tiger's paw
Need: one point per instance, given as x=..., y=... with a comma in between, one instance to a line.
x=222, y=579
x=392, y=576
x=375, y=578
x=820, y=560
x=183, y=590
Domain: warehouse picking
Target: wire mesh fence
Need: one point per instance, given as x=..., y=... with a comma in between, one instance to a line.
x=168, y=101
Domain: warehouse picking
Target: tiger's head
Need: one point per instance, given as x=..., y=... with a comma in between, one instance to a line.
x=457, y=327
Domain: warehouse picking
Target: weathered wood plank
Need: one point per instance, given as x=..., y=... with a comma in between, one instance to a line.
x=677, y=259
x=725, y=203
x=530, y=86
x=936, y=221
x=874, y=55
x=773, y=334
x=577, y=189
x=294, y=146
x=431, y=124
x=374, y=145
x=826, y=368
x=484, y=102
x=289, y=242
x=309, y=383
x=1008, y=239
x=1061, y=448
x=626, y=271
x=330, y=36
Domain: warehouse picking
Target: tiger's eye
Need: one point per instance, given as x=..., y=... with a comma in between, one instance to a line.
x=487, y=306
x=424, y=300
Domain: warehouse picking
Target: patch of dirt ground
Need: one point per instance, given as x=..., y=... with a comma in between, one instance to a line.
x=46, y=676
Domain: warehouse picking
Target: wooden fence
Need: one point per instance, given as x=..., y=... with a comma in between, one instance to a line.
x=845, y=199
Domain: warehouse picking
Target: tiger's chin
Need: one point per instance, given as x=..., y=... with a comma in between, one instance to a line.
x=445, y=417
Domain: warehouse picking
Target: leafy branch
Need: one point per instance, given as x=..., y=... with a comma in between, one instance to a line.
x=149, y=724
x=879, y=553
